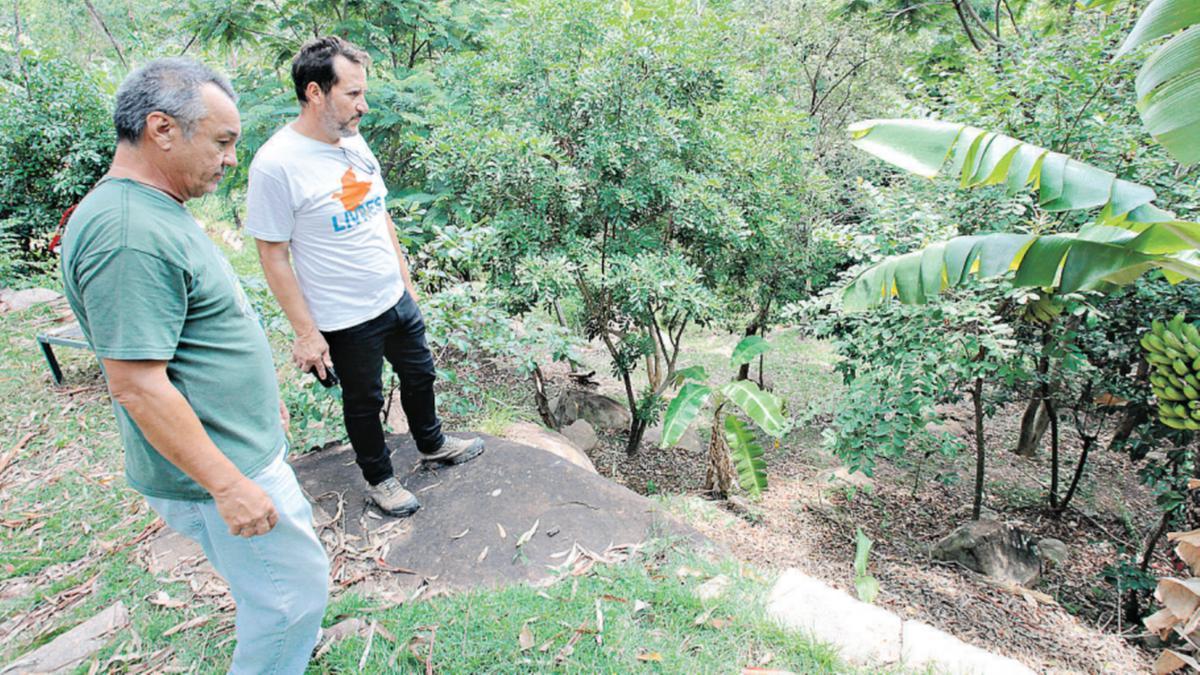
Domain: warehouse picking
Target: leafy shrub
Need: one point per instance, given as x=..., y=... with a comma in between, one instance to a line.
x=56, y=140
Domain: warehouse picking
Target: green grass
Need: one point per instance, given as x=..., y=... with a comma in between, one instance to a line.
x=480, y=632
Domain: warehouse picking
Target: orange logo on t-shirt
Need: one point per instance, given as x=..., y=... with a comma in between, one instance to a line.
x=353, y=191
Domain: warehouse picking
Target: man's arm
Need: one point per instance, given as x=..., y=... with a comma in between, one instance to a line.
x=310, y=349
x=412, y=290
x=168, y=422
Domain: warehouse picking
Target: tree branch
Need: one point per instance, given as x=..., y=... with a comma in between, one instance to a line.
x=116, y=47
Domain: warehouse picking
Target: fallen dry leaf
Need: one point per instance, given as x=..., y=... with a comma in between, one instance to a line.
x=524, y=538
x=482, y=555
x=1181, y=596
x=1170, y=661
x=720, y=623
x=460, y=535
x=503, y=534
x=525, y=639
x=638, y=606
x=702, y=618
x=652, y=656
x=190, y=623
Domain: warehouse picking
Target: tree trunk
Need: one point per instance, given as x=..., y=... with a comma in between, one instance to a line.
x=1088, y=441
x=977, y=401
x=1135, y=414
x=636, y=431
x=1034, y=423
x=718, y=478
x=1036, y=417
x=1053, y=414
x=540, y=399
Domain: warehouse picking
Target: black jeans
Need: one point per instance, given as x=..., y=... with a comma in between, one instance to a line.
x=357, y=354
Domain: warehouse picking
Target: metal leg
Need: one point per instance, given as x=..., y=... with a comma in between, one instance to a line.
x=51, y=361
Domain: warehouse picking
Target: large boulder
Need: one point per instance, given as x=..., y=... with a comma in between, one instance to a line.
x=993, y=549
x=581, y=434
x=690, y=440
x=600, y=411
x=553, y=442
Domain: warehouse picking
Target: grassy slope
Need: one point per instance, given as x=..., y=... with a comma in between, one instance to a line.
x=67, y=519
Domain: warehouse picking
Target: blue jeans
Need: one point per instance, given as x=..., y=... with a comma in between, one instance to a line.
x=357, y=354
x=279, y=580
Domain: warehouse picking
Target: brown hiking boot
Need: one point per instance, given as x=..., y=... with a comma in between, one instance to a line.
x=454, y=451
x=391, y=498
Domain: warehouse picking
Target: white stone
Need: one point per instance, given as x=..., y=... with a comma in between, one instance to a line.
x=15, y=301
x=862, y=633
x=713, y=588
x=927, y=647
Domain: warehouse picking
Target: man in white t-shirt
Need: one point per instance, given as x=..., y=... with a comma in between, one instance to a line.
x=316, y=195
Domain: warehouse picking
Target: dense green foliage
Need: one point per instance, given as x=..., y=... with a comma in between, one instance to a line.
x=627, y=173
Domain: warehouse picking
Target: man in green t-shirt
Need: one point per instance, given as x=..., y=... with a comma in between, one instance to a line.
x=188, y=364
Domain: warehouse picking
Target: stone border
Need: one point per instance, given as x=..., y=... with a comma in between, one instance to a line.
x=870, y=635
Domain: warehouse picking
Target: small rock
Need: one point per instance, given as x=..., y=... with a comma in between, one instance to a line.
x=947, y=427
x=690, y=441
x=713, y=588
x=841, y=477
x=993, y=549
x=581, y=434
x=15, y=301
x=1053, y=551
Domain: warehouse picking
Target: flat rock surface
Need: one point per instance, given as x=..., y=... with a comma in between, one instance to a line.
x=489, y=503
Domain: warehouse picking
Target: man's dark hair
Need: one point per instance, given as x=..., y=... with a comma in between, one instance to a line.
x=314, y=63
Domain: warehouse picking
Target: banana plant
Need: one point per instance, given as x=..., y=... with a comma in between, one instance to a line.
x=1168, y=84
x=731, y=437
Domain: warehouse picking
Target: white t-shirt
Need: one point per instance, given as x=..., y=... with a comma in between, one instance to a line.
x=328, y=201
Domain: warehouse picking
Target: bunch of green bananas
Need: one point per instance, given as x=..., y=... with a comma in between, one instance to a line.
x=1043, y=310
x=1173, y=348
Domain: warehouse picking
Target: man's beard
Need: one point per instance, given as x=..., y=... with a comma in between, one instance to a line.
x=340, y=127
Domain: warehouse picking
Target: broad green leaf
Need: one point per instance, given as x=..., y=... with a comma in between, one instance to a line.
x=682, y=412
x=865, y=584
x=765, y=408
x=746, y=350
x=691, y=373
x=1159, y=19
x=1106, y=5
x=930, y=147
x=1168, y=85
x=1094, y=258
x=747, y=456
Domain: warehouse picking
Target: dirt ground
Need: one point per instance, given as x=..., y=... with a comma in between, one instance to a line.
x=1071, y=623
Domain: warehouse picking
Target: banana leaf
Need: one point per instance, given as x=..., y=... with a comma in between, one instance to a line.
x=764, y=408
x=682, y=412
x=1098, y=257
x=979, y=158
x=1168, y=85
x=747, y=456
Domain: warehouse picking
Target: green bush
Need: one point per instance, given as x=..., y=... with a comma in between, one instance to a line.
x=56, y=140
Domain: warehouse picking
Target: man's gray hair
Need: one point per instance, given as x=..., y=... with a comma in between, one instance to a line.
x=170, y=86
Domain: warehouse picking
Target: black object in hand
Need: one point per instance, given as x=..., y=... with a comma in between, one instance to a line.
x=330, y=379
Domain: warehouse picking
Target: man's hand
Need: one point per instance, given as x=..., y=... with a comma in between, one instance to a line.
x=310, y=351
x=246, y=509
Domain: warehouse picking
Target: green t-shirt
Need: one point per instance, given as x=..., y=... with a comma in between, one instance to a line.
x=146, y=283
